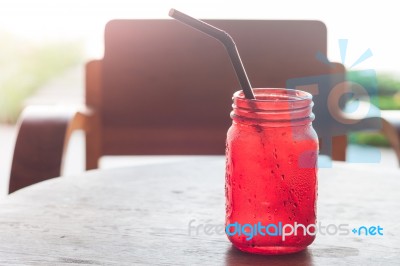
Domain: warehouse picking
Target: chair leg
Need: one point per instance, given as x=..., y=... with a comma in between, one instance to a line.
x=93, y=145
x=339, y=145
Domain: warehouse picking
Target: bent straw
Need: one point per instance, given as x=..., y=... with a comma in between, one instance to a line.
x=226, y=40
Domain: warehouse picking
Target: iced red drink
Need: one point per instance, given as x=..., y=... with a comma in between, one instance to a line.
x=271, y=172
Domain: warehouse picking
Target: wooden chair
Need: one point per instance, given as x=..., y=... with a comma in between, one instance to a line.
x=164, y=88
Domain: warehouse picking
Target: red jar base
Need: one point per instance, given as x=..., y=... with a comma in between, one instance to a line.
x=273, y=250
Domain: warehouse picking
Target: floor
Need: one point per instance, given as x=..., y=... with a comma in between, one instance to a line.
x=70, y=86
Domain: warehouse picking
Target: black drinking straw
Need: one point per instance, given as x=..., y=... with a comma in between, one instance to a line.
x=226, y=40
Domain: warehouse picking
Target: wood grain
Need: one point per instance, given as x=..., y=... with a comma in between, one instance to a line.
x=140, y=216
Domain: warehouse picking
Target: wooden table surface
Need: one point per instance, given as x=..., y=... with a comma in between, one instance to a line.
x=141, y=216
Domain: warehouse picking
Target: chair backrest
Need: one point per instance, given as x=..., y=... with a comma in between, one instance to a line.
x=167, y=88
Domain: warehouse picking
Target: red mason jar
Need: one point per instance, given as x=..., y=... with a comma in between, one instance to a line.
x=271, y=172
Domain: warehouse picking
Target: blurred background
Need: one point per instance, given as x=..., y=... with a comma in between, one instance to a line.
x=44, y=45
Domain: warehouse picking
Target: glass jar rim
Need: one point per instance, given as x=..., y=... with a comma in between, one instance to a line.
x=275, y=106
x=286, y=95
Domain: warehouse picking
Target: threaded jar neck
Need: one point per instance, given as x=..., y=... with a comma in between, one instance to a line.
x=273, y=107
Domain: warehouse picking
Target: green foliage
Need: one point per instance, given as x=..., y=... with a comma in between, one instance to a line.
x=368, y=138
x=24, y=67
x=390, y=102
x=386, y=98
x=388, y=84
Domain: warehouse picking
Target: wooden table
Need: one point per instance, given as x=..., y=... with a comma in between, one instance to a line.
x=141, y=215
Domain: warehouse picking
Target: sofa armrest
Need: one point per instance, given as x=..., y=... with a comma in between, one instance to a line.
x=42, y=137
